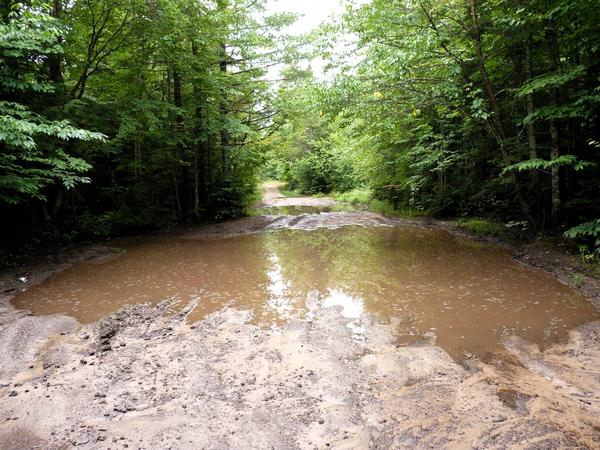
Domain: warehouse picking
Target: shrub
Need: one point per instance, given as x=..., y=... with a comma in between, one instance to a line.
x=355, y=196
x=482, y=227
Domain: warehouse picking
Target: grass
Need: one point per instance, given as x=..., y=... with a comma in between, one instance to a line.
x=364, y=197
x=482, y=227
x=387, y=209
x=354, y=197
x=384, y=207
x=289, y=193
x=576, y=279
x=284, y=189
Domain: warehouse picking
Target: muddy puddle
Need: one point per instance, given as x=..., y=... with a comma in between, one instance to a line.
x=431, y=285
x=295, y=210
x=292, y=210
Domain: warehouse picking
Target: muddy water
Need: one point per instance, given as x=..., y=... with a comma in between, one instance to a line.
x=292, y=210
x=433, y=286
x=295, y=210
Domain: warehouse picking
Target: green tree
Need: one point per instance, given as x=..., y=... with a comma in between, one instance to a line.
x=32, y=147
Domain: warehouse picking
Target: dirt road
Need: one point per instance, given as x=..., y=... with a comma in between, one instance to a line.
x=141, y=378
x=272, y=197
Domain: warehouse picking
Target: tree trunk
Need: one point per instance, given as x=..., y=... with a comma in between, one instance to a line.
x=200, y=188
x=176, y=189
x=531, y=139
x=53, y=61
x=181, y=157
x=495, y=125
x=177, y=101
x=223, y=112
x=554, y=154
x=554, y=61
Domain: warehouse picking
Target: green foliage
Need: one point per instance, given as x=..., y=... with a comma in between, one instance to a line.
x=176, y=89
x=96, y=226
x=576, y=279
x=311, y=174
x=590, y=256
x=551, y=80
x=384, y=207
x=490, y=111
x=587, y=230
x=482, y=227
x=290, y=193
x=27, y=34
x=460, y=109
x=32, y=153
x=354, y=197
x=538, y=163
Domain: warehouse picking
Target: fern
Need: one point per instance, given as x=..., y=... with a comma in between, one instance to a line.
x=544, y=164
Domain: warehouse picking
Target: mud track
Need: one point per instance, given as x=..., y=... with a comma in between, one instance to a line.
x=141, y=378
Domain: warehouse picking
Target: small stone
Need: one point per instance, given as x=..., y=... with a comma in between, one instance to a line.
x=13, y=394
x=321, y=421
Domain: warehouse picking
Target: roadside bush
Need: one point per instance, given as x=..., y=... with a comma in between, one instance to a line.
x=355, y=196
x=311, y=175
x=482, y=227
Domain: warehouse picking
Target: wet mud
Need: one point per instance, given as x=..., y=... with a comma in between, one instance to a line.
x=294, y=366
x=142, y=379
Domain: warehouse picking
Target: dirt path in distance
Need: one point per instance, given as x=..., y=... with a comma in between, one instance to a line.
x=272, y=197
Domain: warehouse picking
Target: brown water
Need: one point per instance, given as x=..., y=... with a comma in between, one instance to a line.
x=295, y=210
x=432, y=285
